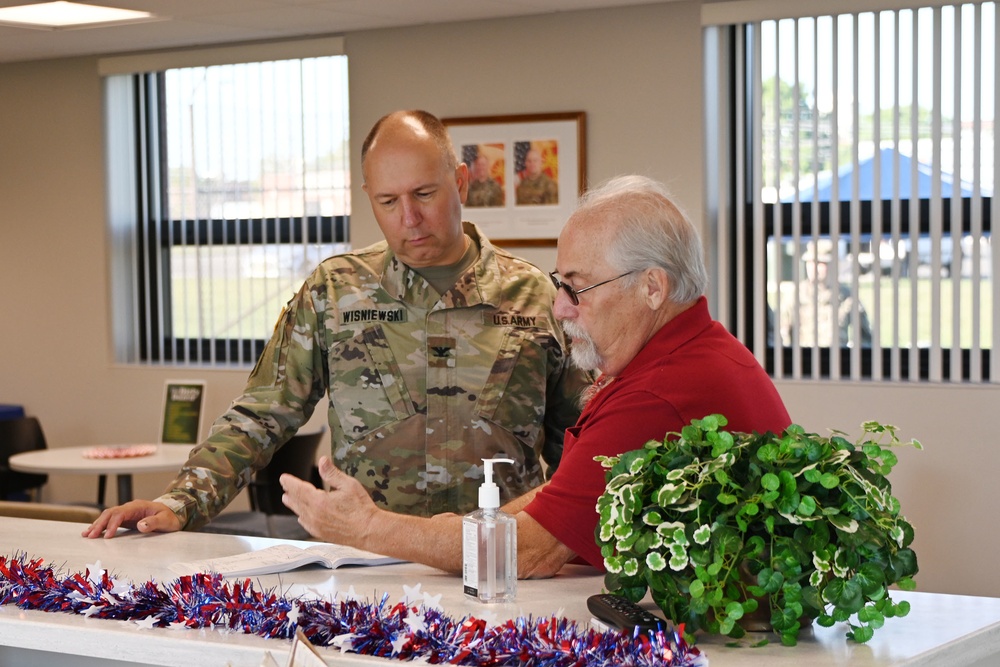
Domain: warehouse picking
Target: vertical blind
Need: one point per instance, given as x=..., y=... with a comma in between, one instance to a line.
x=235, y=183
x=862, y=148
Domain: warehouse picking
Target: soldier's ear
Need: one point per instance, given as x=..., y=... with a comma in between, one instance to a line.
x=462, y=180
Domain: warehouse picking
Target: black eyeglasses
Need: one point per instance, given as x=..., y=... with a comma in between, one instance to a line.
x=574, y=294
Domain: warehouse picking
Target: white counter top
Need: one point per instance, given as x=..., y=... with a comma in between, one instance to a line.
x=941, y=629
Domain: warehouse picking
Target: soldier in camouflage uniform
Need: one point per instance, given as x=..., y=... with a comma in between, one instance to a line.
x=823, y=305
x=536, y=187
x=483, y=190
x=663, y=360
x=435, y=348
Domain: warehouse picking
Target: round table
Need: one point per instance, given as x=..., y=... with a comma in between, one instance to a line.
x=71, y=460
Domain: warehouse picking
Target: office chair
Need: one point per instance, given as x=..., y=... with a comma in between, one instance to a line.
x=22, y=434
x=268, y=517
x=298, y=458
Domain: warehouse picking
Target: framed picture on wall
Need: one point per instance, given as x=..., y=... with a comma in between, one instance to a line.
x=181, y=421
x=526, y=173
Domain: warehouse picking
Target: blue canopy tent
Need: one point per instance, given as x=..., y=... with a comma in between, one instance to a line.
x=887, y=159
x=866, y=180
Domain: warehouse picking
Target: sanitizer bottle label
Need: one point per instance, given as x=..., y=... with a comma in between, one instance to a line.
x=470, y=560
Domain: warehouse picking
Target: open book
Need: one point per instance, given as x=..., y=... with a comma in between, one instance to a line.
x=282, y=558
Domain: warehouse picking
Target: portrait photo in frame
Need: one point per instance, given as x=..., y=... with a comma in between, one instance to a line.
x=526, y=173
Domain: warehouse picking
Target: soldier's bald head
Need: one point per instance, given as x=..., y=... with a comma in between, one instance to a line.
x=409, y=125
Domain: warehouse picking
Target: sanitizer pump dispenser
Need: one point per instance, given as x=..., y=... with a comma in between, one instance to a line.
x=489, y=545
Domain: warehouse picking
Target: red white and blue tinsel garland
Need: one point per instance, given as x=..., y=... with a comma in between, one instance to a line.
x=400, y=631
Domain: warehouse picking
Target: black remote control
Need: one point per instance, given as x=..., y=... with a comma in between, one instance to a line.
x=622, y=614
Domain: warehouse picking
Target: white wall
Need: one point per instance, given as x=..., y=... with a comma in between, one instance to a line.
x=636, y=72
x=948, y=490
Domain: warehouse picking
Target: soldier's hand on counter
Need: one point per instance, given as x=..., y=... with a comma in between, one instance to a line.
x=142, y=515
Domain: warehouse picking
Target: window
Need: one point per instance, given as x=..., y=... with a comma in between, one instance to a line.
x=228, y=184
x=855, y=178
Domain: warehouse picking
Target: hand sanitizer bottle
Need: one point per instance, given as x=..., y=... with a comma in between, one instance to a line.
x=489, y=545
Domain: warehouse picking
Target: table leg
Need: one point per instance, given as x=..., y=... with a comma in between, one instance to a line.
x=102, y=487
x=124, y=488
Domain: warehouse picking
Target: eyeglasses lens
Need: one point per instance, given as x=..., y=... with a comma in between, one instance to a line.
x=570, y=292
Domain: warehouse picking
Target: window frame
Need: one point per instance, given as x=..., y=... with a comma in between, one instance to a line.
x=143, y=233
x=891, y=357
x=745, y=228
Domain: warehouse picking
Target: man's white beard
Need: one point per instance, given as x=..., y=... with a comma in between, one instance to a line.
x=584, y=352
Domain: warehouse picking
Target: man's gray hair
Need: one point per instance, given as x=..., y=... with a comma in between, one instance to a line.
x=650, y=232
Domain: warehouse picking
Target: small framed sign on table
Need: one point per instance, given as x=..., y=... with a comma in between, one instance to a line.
x=182, y=412
x=526, y=173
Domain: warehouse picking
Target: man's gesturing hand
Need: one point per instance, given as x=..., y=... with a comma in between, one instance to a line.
x=341, y=515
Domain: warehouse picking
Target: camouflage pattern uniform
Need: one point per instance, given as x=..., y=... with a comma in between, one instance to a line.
x=817, y=304
x=538, y=190
x=421, y=386
x=484, y=193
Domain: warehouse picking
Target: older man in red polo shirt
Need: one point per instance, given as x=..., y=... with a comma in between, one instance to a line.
x=631, y=279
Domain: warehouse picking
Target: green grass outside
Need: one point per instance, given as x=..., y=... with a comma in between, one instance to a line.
x=893, y=309
x=233, y=308
x=257, y=302
x=922, y=294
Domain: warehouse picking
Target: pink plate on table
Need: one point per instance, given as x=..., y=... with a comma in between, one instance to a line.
x=119, y=452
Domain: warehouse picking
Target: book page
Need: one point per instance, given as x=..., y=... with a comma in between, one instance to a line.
x=272, y=559
x=339, y=555
x=282, y=558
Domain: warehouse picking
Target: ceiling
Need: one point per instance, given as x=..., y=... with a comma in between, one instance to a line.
x=201, y=22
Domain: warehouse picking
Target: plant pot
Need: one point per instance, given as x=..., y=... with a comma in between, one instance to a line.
x=759, y=620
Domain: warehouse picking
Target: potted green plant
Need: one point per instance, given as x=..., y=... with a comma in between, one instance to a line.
x=719, y=526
